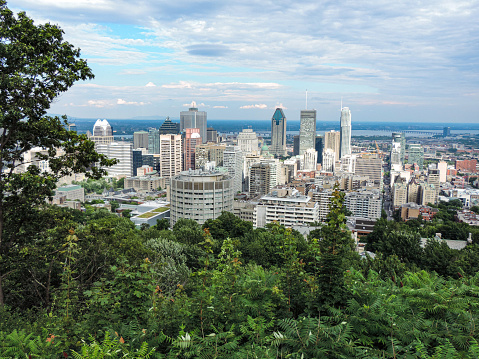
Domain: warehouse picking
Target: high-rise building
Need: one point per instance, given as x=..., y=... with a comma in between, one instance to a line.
x=102, y=132
x=212, y=135
x=307, y=131
x=200, y=195
x=248, y=141
x=319, y=146
x=442, y=167
x=191, y=140
x=278, y=133
x=170, y=155
x=260, y=179
x=446, y=131
x=370, y=167
x=345, y=140
x=296, y=145
x=153, y=141
x=396, y=150
x=249, y=160
x=332, y=141
x=169, y=128
x=364, y=203
x=122, y=151
x=329, y=160
x=140, y=139
x=399, y=137
x=233, y=161
x=310, y=159
x=209, y=152
x=416, y=155
x=194, y=119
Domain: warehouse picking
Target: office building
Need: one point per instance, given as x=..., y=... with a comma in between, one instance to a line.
x=329, y=160
x=123, y=152
x=211, y=135
x=396, y=150
x=399, y=192
x=102, y=132
x=310, y=160
x=372, y=168
x=364, y=203
x=399, y=137
x=286, y=206
x=348, y=163
x=192, y=139
x=332, y=142
x=248, y=141
x=260, y=179
x=170, y=155
x=169, y=128
x=319, y=146
x=248, y=161
x=140, y=139
x=442, y=167
x=345, y=139
x=413, y=191
x=233, y=162
x=200, y=195
x=307, y=131
x=446, y=131
x=209, y=152
x=153, y=141
x=278, y=133
x=194, y=119
x=296, y=145
x=416, y=155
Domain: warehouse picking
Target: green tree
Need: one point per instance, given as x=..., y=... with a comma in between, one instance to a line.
x=36, y=66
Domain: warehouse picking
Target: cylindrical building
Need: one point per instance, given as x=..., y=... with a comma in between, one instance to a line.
x=200, y=195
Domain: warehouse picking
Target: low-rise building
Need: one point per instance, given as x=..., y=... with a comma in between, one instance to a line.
x=413, y=211
x=71, y=192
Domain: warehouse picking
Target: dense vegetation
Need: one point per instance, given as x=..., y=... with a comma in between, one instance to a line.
x=85, y=283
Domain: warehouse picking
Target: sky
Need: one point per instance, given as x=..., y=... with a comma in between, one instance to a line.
x=408, y=60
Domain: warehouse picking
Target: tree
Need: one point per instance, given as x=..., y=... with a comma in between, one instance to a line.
x=36, y=66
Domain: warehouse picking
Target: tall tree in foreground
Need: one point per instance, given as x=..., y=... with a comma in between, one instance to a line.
x=36, y=66
x=336, y=249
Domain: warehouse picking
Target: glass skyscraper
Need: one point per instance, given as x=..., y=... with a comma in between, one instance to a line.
x=278, y=133
x=345, y=139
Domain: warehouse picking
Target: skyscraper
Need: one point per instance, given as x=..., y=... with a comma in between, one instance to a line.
x=122, y=151
x=191, y=140
x=398, y=137
x=345, y=140
x=319, y=145
x=307, y=130
x=331, y=141
x=140, y=139
x=278, y=133
x=170, y=155
x=416, y=155
x=248, y=141
x=194, y=119
x=153, y=141
x=102, y=132
x=233, y=161
x=169, y=128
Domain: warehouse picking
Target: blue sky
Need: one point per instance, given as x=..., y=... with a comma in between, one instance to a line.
x=388, y=61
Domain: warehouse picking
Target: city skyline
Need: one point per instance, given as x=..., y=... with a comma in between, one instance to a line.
x=403, y=62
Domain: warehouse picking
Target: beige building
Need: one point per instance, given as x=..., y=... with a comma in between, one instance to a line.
x=209, y=152
x=145, y=183
x=170, y=155
x=332, y=140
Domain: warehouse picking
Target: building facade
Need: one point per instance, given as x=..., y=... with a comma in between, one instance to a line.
x=307, y=131
x=278, y=133
x=170, y=155
x=123, y=152
x=200, y=195
x=191, y=140
x=248, y=141
x=194, y=119
x=345, y=139
x=332, y=141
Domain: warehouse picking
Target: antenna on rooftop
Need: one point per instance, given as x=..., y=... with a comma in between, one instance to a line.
x=341, y=102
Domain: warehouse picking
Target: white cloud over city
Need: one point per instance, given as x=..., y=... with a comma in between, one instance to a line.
x=386, y=60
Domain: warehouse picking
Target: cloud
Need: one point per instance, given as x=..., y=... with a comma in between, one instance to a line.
x=281, y=106
x=150, y=84
x=180, y=85
x=123, y=102
x=194, y=104
x=220, y=106
x=99, y=103
x=260, y=106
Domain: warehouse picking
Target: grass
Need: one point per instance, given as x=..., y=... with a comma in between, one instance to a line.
x=153, y=212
